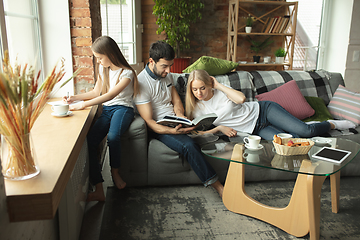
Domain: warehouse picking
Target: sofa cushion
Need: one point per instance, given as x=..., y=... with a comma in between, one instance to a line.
x=345, y=104
x=289, y=97
x=312, y=84
x=321, y=111
x=214, y=66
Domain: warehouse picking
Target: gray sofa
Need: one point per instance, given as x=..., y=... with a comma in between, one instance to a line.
x=150, y=162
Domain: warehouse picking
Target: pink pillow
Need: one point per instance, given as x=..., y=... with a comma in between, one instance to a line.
x=289, y=97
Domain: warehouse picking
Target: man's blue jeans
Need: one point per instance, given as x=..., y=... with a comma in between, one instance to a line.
x=274, y=119
x=185, y=145
x=113, y=122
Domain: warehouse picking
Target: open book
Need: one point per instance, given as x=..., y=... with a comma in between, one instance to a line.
x=203, y=122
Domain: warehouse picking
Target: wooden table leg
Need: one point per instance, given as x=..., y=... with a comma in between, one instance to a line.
x=300, y=217
x=335, y=191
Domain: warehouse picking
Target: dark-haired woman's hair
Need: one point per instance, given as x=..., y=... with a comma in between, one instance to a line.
x=161, y=49
x=107, y=46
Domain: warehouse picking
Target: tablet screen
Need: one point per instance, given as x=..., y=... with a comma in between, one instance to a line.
x=332, y=154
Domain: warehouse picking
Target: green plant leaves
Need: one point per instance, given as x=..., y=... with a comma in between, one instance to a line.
x=174, y=17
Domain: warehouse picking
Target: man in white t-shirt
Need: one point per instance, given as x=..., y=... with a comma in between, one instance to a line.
x=157, y=98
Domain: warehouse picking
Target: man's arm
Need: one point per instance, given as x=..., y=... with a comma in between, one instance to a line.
x=176, y=101
x=145, y=111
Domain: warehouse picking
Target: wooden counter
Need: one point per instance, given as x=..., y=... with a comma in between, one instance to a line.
x=57, y=144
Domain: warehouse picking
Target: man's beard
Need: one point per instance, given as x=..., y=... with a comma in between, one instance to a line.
x=157, y=73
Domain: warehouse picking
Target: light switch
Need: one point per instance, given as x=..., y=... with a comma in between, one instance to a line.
x=356, y=56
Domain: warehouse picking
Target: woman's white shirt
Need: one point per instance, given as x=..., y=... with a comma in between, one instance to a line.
x=241, y=117
x=125, y=97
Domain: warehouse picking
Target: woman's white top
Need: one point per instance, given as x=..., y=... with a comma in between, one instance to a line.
x=125, y=97
x=241, y=117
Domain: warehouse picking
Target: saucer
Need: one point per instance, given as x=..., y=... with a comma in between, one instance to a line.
x=321, y=141
x=62, y=115
x=258, y=148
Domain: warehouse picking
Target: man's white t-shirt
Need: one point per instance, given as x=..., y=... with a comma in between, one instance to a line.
x=241, y=117
x=157, y=92
x=125, y=97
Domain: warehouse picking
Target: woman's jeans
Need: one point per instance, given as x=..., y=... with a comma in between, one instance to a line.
x=113, y=122
x=186, y=146
x=274, y=119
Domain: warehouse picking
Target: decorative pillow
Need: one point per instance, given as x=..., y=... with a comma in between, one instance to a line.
x=321, y=111
x=345, y=104
x=289, y=97
x=214, y=66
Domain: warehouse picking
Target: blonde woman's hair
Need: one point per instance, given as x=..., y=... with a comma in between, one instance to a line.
x=191, y=100
x=107, y=46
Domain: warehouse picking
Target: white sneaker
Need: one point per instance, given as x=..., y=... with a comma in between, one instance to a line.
x=342, y=124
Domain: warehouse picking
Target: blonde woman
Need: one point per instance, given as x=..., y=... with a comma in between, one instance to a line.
x=115, y=88
x=204, y=94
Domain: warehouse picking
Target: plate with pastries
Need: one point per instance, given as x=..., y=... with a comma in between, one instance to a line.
x=292, y=146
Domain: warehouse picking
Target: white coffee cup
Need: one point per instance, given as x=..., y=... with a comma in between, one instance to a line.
x=284, y=135
x=60, y=109
x=251, y=156
x=252, y=141
x=267, y=59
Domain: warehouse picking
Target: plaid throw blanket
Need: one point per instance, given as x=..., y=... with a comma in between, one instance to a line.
x=312, y=84
x=239, y=80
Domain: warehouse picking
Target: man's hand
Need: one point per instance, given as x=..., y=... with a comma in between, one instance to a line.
x=180, y=130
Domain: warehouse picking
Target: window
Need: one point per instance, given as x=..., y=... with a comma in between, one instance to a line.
x=23, y=43
x=307, y=34
x=119, y=22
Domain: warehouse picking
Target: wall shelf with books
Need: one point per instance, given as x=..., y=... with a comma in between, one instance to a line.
x=276, y=19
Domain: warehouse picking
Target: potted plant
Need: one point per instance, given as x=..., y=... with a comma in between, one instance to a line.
x=280, y=54
x=249, y=22
x=257, y=46
x=174, y=18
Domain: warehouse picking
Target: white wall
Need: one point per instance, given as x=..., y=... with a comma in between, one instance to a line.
x=352, y=71
x=335, y=35
x=56, y=39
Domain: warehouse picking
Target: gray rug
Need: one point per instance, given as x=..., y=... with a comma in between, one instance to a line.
x=195, y=212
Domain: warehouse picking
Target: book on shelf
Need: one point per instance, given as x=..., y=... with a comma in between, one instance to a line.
x=202, y=122
x=287, y=25
x=282, y=26
x=265, y=25
x=278, y=23
x=269, y=23
x=273, y=24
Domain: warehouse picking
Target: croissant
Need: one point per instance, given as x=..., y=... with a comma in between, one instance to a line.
x=277, y=139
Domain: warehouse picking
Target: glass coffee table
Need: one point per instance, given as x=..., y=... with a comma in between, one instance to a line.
x=302, y=215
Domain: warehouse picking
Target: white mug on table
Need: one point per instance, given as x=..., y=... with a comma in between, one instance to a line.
x=60, y=109
x=252, y=141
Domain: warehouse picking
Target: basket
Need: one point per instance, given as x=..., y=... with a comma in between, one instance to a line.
x=288, y=151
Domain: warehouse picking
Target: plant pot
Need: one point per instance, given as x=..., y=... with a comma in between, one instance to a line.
x=180, y=64
x=18, y=157
x=279, y=60
x=248, y=29
x=256, y=59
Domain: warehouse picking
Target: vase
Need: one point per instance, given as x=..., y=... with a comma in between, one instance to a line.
x=18, y=157
x=248, y=29
x=279, y=60
x=256, y=59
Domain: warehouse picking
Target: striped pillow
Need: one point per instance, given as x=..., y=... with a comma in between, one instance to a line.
x=345, y=104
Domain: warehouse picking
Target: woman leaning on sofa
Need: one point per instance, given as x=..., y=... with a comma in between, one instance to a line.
x=204, y=94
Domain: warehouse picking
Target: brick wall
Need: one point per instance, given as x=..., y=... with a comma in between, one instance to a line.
x=85, y=25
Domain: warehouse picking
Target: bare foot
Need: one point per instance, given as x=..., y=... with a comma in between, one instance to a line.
x=97, y=195
x=218, y=187
x=118, y=181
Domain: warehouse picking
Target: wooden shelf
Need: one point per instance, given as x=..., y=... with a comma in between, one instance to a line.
x=241, y=9
x=58, y=142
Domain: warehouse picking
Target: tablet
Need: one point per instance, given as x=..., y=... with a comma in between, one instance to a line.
x=331, y=154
